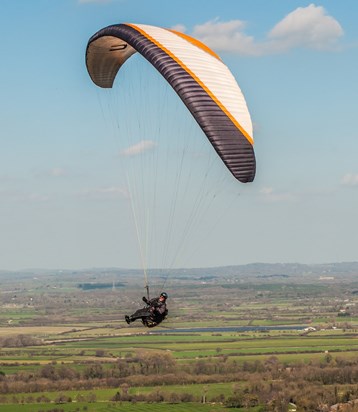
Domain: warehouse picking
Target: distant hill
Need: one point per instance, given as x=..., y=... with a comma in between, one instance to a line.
x=279, y=269
x=252, y=269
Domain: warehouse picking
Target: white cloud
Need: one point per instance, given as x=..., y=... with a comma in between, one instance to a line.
x=179, y=27
x=23, y=197
x=57, y=172
x=94, y=1
x=350, y=179
x=308, y=27
x=266, y=191
x=142, y=146
x=54, y=172
x=270, y=195
x=35, y=197
x=7, y=179
x=105, y=193
x=226, y=36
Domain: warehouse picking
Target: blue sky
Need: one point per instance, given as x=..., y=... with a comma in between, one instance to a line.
x=64, y=173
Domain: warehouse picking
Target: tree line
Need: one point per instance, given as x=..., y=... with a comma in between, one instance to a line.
x=313, y=386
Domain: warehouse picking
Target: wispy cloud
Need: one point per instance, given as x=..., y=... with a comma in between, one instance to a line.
x=305, y=27
x=270, y=195
x=21, y=196
x=141, y=147
x=57, y=172
x=104, y=193
x=94, y=1
x=8, y=179
x=54, y=172
x=350, y=179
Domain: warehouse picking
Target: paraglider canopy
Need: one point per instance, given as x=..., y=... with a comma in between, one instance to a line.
x=204, y=84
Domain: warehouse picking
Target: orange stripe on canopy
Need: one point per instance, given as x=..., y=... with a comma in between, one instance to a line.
x=196, y=43
x=222, y=107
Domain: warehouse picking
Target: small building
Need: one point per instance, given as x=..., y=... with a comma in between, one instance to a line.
x=310, y=329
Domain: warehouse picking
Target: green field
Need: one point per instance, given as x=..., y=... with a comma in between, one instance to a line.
x=113, y=407
x=66, y=349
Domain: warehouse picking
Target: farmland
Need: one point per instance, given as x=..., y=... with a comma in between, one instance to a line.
x=231, y=339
